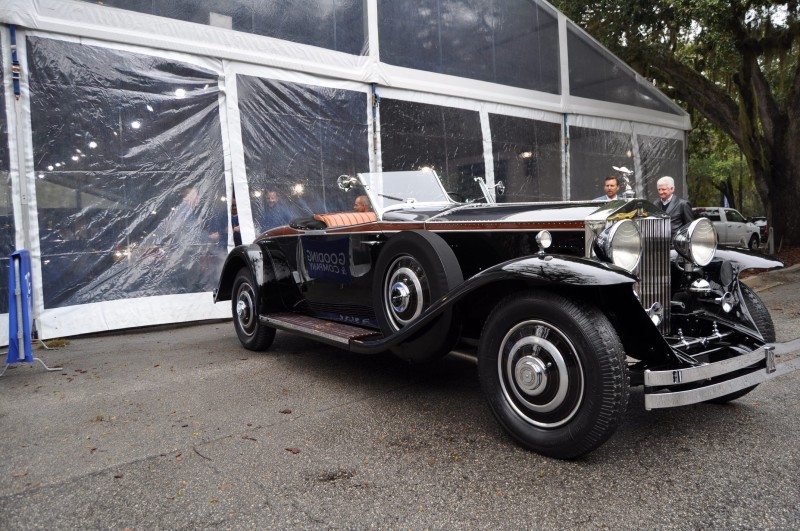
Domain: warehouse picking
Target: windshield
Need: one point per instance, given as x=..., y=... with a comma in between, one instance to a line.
x=388, y=190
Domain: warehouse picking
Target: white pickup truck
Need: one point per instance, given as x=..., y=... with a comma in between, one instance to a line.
x=732, y=227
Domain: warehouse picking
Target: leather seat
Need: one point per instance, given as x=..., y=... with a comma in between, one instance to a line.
x=346, y=219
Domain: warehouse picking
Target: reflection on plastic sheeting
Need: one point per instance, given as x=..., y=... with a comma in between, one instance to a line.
x=335, y=24
x=297, y=140
x=7, y=227
x=593, y=154
x=416, y=136
x=596, y=74
x=527, y=158
x=510, y=42
x=129, y=174
x=660, y=157
x=7, y=232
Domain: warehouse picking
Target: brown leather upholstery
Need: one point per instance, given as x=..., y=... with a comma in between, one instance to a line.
x=345, y=219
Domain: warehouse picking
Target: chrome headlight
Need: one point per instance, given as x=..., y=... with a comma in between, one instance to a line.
x=620, y=244
x=697, y=241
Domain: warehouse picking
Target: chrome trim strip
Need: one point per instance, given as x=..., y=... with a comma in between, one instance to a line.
x=703, y=372
x=694, y=396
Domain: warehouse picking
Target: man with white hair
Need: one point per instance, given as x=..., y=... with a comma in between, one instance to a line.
x=679, y=210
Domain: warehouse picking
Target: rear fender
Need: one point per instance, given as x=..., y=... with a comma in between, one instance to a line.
x=250, y=256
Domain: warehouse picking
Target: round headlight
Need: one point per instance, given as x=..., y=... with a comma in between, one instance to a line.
x=621, y=244
x=544, y=239
x=697, y=241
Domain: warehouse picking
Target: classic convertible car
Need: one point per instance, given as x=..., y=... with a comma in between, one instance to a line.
x=566, y=305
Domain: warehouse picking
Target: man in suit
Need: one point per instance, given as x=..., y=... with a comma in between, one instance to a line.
x=679, y=210
x=610, y=187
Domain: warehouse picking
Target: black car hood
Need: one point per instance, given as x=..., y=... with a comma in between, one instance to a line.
x=510, y=212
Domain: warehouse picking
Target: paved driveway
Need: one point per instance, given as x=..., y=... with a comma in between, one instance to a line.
x=181, y=428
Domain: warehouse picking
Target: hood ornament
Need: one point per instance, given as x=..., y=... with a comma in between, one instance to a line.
x=627, y=175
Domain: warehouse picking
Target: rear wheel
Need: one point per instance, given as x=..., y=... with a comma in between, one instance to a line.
x=553, y=371
x=753, y=243
x=252, y=333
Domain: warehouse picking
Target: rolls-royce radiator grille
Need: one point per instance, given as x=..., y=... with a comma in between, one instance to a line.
x=654, y=268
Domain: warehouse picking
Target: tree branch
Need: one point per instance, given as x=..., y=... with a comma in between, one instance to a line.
x=700, y=93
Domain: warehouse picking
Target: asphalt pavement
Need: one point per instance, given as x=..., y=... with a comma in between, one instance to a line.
x=181, y=428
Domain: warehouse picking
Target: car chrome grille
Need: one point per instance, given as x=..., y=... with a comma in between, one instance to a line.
x=654, y=269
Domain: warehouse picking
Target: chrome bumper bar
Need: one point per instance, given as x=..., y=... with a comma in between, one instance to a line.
x=657, y=383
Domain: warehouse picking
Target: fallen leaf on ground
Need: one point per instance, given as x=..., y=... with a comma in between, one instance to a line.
x=293, y=450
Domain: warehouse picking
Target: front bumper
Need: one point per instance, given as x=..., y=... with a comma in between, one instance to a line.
x=681, y=387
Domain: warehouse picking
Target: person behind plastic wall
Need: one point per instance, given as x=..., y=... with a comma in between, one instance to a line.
x=237, y=232
x=203, y=242
x=610, y=187
x=362, y=204
x=276, y=213
x=679, y=210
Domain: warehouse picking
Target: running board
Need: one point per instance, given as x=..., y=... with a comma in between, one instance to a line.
x=330, y=332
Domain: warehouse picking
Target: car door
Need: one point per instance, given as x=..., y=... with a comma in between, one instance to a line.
x=736, y=227
x=333, y=270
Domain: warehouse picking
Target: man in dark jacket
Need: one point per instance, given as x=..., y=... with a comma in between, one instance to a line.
x=679, y=210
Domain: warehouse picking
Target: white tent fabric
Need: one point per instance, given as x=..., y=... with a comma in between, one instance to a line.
x=120, y=113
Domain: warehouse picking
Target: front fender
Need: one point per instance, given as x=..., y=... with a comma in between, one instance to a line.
x=542, y=270
x=743, y=259
x=563, y=270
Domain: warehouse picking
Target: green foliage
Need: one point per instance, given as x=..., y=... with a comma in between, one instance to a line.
x=735, y=66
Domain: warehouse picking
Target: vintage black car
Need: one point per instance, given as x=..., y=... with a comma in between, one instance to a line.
x=566, y=305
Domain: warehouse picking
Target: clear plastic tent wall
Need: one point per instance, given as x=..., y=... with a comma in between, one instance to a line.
x=138, y=124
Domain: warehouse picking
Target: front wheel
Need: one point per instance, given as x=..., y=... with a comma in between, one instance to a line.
x=252, y=333
x=553, y=371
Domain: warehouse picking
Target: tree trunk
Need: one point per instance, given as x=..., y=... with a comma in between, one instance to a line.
x=783, y=200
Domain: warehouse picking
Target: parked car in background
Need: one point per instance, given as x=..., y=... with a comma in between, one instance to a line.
x=732, y=227
x=763, y=226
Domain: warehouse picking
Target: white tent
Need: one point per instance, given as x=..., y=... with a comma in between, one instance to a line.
x=133, y=123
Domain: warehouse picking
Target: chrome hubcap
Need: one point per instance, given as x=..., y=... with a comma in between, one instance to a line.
x=245, y=309
x=540, y=374
x=531, y=375
x=406, y=291
x=400, y=297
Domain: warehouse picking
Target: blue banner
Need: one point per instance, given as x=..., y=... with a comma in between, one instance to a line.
x=20, y=308
x=327, y=259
